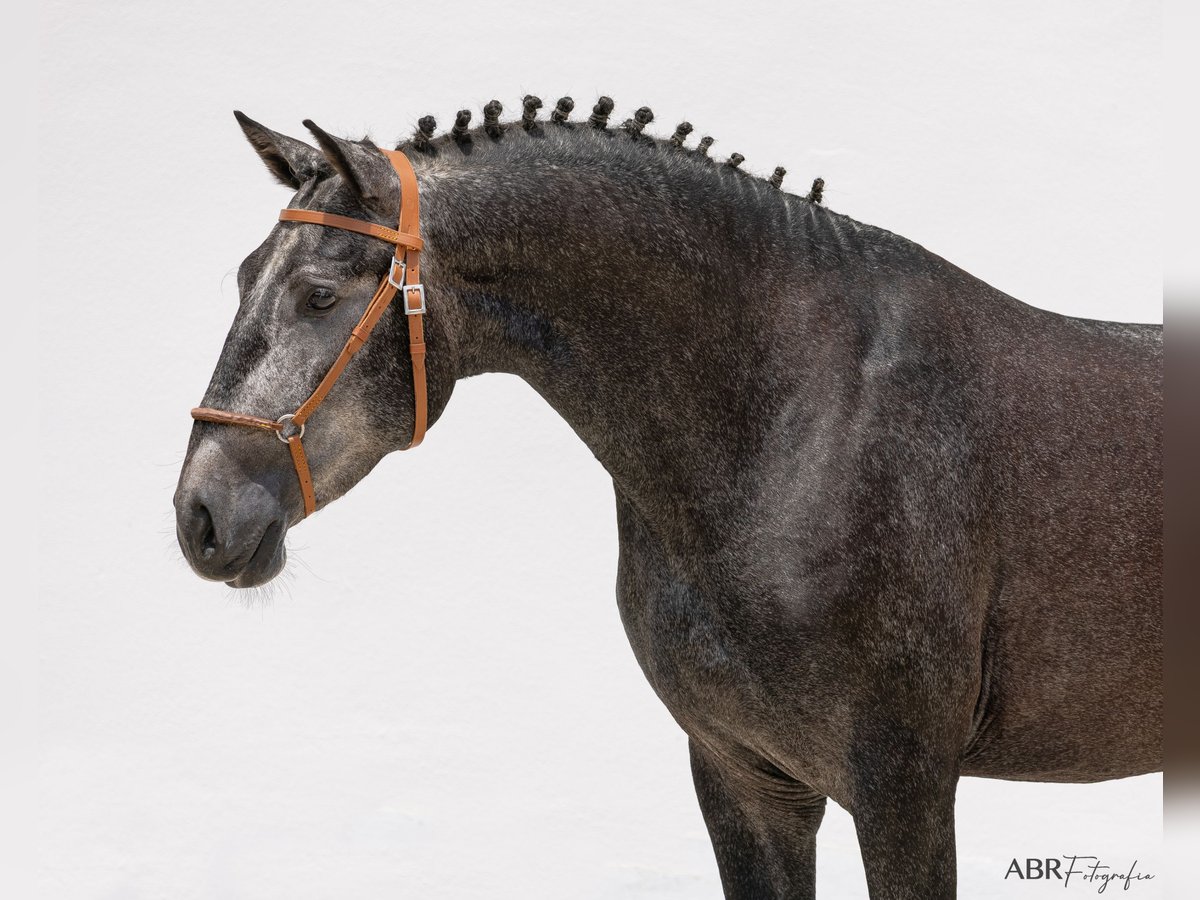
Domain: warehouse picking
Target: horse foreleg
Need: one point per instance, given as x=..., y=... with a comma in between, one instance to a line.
x=763, y=826
x=904, y=816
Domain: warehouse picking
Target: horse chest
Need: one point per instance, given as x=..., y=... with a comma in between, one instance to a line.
x=685, y=647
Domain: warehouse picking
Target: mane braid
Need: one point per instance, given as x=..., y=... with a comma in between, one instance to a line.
x=640, y=120
x=682, y=130
x=422, y=138
x=600, y=113
x=562, y=110
x=531, y=105
x=462, y=123
x=491, y=119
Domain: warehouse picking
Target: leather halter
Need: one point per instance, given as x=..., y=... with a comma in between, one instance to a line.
x=404, y=276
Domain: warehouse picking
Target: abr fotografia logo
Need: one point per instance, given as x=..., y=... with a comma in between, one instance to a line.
x=1085, y=870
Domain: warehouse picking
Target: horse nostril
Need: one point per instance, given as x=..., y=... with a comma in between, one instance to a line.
x=208, y=540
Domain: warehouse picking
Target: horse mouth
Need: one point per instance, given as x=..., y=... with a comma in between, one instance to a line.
x=265, y=562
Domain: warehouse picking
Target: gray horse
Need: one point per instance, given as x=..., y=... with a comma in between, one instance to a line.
x=881, y=525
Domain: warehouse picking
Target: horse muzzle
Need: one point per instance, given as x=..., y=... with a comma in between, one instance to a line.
x=232, y=533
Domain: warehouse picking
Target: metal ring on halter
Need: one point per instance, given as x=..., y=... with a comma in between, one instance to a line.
x=285, y=421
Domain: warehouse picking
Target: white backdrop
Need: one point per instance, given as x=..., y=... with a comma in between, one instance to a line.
x=439, y=701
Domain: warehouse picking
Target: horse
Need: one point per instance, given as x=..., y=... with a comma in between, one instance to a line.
x=881, y=525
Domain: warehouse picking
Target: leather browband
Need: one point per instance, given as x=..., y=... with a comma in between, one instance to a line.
x=316, y=217
x=406, y=261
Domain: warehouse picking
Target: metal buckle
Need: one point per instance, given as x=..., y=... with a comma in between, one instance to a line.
x=398, y=285
x=420, y=289
x=285, y=421
x=403, y=288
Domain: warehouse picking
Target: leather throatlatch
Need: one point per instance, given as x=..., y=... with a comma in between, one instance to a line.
x=403, y=277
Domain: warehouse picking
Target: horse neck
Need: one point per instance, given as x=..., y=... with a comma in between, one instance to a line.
x=671, y=317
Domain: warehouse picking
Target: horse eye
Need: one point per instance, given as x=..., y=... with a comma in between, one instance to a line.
x=321, y=298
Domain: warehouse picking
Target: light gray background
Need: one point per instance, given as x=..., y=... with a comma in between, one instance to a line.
x=438, y=700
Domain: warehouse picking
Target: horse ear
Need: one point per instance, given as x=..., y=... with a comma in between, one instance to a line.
x=292, y=162
x=366, y=171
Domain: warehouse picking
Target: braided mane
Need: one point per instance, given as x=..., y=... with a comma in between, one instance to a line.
x=462, y=136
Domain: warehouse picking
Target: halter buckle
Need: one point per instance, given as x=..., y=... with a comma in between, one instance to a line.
x=286, y=421
x=397, y=263
x=420, y=290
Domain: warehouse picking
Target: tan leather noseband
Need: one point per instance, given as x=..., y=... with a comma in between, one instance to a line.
x=404, y=276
